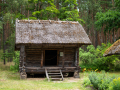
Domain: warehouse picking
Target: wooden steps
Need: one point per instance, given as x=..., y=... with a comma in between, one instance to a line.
x=54, y=74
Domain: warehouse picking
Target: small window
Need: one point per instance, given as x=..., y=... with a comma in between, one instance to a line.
x=61, y=53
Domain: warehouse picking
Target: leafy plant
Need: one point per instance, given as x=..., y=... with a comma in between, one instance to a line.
x=115, y=84
x=101, y=80
x=15, y=67
x=93, y=58
x=86, y=82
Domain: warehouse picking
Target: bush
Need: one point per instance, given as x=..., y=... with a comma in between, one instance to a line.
x=15, y=67
x=101, y=80
x=94, y=58
x=115, y=84
x=86, y=82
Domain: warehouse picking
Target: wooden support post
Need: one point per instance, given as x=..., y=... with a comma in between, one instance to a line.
x=23, y=74
x=41, y=57
x=63, y=57
x=76, y=72
x=22, y=55
x=75, y=56
x=78, y=57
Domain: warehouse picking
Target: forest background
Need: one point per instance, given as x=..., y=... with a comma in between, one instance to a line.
x=100, y=19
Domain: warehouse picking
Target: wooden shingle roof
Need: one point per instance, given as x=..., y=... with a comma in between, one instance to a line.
x=113, y=50
x=46, y=31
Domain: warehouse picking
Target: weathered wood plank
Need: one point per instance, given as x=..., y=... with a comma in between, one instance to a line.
x=78, y=57
x=22, y=55
x=41, y=58
x=63, y=57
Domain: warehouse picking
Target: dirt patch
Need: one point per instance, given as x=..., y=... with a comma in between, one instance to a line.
x=69, y=79
x=2, y=80
x=36, y=79
x=72, y=79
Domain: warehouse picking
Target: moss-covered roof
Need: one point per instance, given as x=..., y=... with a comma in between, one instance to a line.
x=113, y=49
x=49, y=31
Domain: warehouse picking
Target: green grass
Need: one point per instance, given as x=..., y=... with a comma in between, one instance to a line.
x=11, y=81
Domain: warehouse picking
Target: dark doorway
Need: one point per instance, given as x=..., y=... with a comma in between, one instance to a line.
x=50, y=57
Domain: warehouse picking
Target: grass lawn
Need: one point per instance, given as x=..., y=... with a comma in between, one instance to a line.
x=11, y=81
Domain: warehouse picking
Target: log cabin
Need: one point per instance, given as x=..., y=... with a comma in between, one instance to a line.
x=48, y=46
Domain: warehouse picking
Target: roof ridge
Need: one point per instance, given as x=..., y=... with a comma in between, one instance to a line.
x=47, y=21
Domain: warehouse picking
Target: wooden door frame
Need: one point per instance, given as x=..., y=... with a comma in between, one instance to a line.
x=44, y=55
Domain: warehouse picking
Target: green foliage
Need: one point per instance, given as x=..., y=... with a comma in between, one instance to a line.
x=110, y=19
x=20, y=16
x=15, y=67
x=73, y=16
x=100, y=80
x=117, y=4
x=86, y=82
x=8, y=17
x=66, y=10
x=93, y=58
x=115, y=84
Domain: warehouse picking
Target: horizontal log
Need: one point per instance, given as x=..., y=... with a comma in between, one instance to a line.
x=34, y=53
x=33, y=60
x=33, y=50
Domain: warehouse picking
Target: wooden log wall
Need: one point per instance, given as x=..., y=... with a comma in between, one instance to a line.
x=69, y=57
x=34, y=56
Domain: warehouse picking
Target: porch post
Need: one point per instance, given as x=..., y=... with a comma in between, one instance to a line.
x=41, y=57
x=63, y=57
x=22, y=54
x=23, y=74
x=78, y=57
x=76, y=72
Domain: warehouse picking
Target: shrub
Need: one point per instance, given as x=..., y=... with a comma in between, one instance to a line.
x=101, y=80
x=15, y=67
x=88, y=67
x=96, y=79
x=86, y=81
x=94, y=58
x=115, y=84
x=105, y=82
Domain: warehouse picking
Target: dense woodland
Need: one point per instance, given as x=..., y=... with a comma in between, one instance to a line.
x=100, y=18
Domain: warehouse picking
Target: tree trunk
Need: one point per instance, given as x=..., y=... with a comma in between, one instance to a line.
x=113, y=3
x=96, y=39
x=113, y=36
x=3, y=35
x=79, y=7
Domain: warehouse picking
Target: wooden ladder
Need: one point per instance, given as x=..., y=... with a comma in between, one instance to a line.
x=54, y=74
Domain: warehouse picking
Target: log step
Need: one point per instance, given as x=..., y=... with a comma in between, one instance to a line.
x=54, y=74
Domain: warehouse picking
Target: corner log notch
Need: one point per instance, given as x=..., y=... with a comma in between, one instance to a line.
x=23, y=74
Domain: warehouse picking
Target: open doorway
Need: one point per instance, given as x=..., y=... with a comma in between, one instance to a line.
x=50, y=57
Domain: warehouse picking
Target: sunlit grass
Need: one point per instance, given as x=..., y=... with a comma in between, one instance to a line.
x=11, y=81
